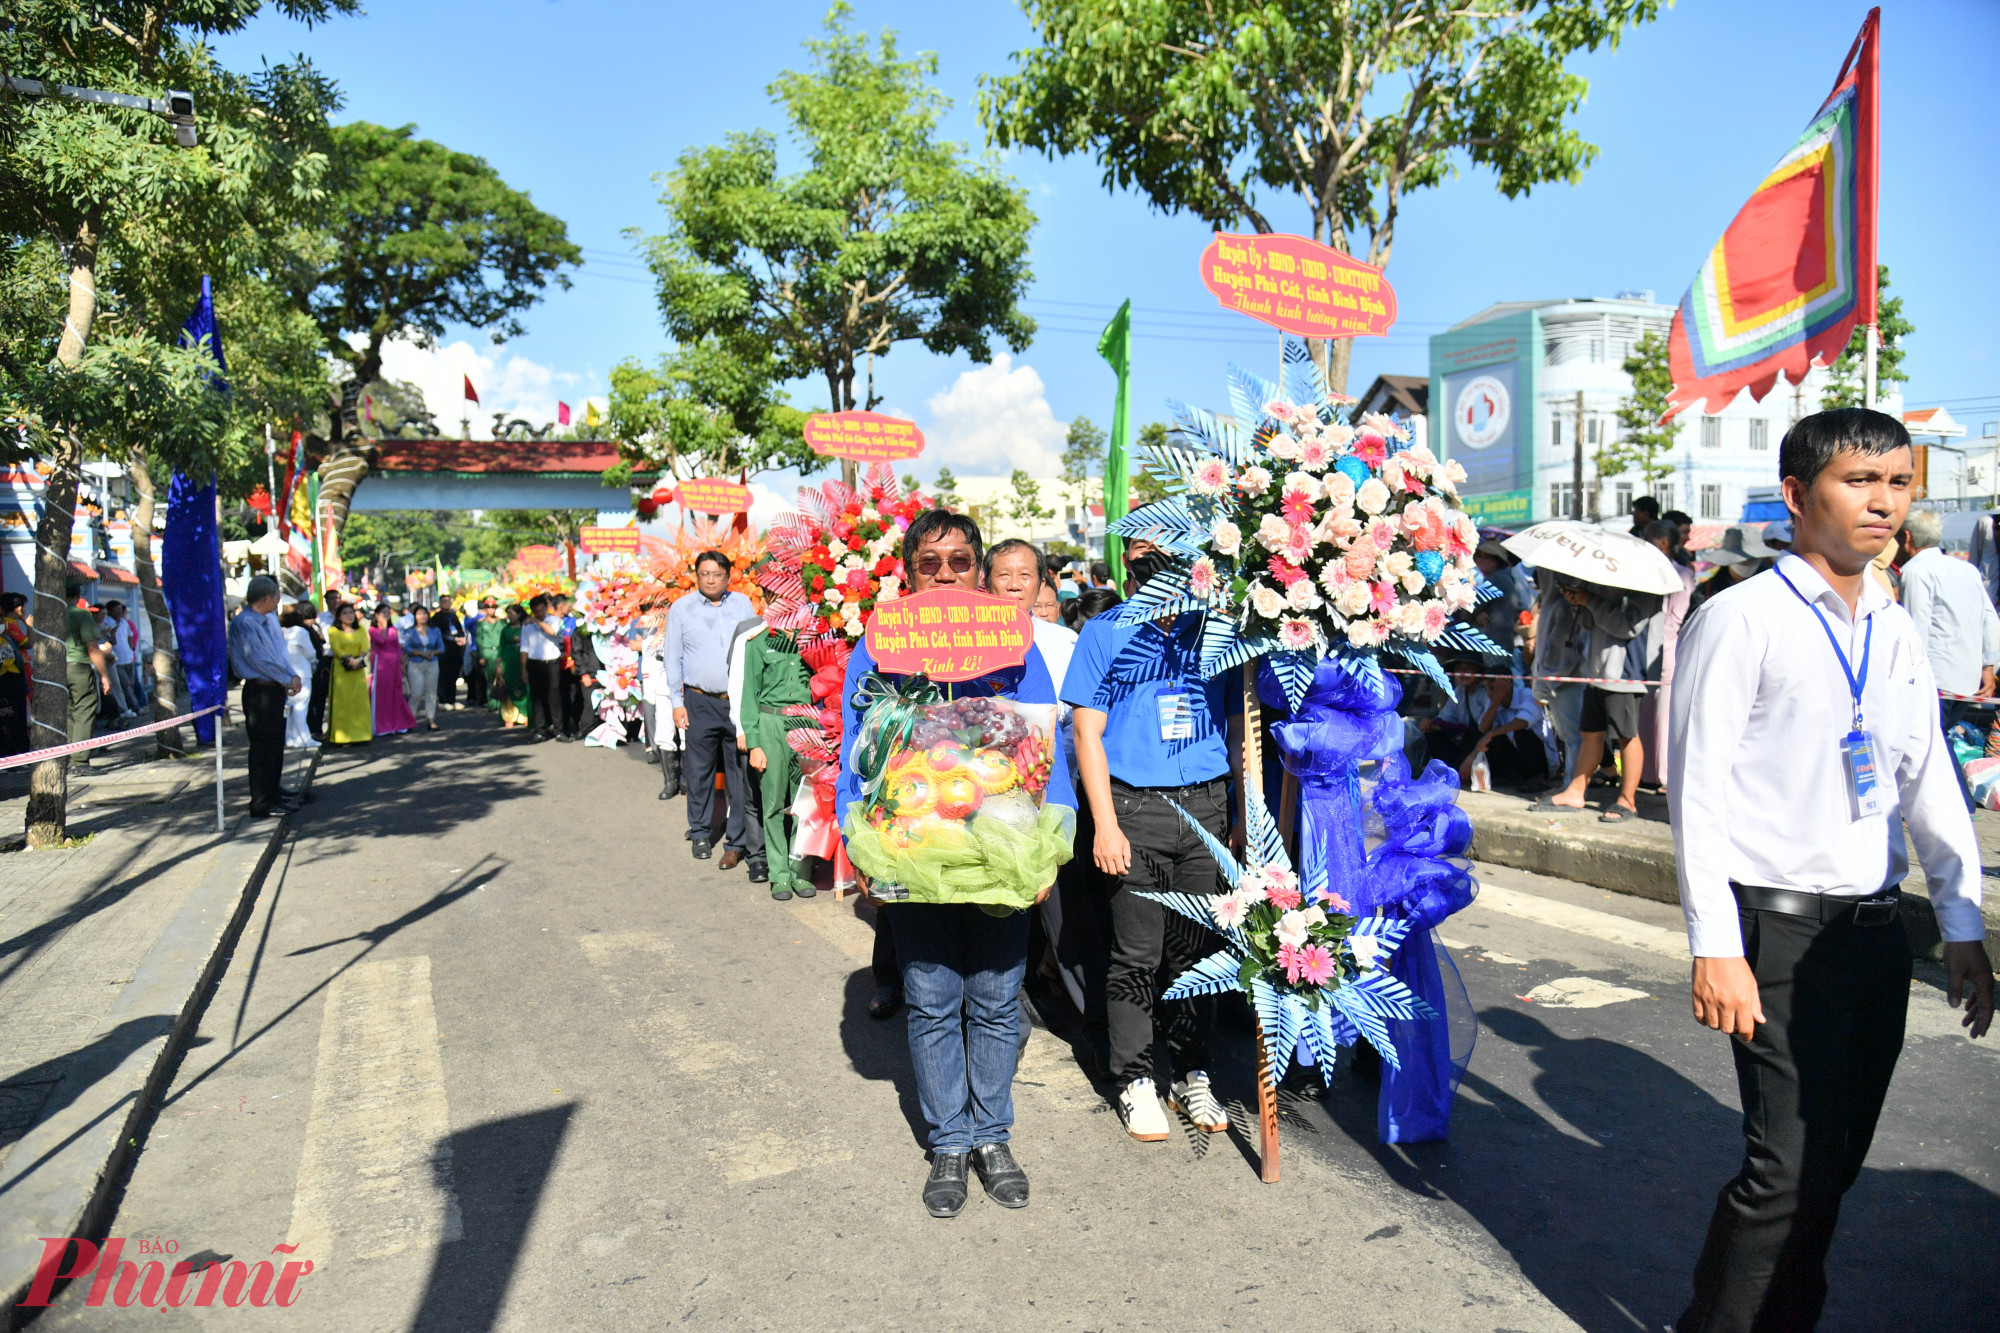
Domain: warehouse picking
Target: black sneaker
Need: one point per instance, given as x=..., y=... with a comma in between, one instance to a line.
x=944, y=1191
x=702, y=848
x=760, y=872
x=1006, y=1183
x=888, y=1002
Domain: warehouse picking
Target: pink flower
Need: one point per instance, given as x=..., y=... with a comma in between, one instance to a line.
x=1462, y=535
x=1211, y=477
x=1289, y=958
x=1228, y=910
x=1284, y=897
x=1328, y=898
x=1384, y=600
x=1297, y=508
x=1371, y=448
x=1382, y=531
x=1285, y=572
x=1315, y=966
x=1279, y=410
x=1314, y=455
x=1435, y=619
x=1202, y=580
x=1297, y=636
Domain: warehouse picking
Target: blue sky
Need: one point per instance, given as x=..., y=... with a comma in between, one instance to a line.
x=580, y=102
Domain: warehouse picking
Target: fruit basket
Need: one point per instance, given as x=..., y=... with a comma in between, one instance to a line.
x=953, y=806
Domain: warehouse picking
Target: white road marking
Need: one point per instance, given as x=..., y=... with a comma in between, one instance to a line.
x=1582, y=993
x=1612, y=929
x=375, y=1172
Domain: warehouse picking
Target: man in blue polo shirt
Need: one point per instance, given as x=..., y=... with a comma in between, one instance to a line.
x=1152, y=734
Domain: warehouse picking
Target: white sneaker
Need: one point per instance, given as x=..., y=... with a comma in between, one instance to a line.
x=1192, y=1098
x=1139, y=1106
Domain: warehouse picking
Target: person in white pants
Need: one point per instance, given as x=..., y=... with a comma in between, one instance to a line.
x=422, y=646
x=304, y=652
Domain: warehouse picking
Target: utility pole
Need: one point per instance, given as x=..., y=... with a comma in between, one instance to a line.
x=1576, y=468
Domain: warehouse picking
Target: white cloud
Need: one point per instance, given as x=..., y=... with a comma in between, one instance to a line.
x=993, y=419
x=505, y=381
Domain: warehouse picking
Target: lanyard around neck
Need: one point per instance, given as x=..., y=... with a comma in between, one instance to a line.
x=1855, y=683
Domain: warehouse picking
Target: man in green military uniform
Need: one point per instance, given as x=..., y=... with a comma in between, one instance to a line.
x=87, y=666
x=774, y=677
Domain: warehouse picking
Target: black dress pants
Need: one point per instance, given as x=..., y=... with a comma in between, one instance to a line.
x=711, y=748
x=1151, y=946
x=451, y=665
x=571, y=691
x=264, y=723
x=541, y=678
x=316, y=703
x=1812, y=1082
x=476, y=670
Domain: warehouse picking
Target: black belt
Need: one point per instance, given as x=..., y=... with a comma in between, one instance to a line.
x=712, y=694
x=1171, y=791
x=1879, y=909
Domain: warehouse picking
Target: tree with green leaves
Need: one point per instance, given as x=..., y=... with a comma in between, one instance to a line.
x=1643, y=442
x=106, y=223
x=945, y=492
x=1847, y=378
x=423, y=236
x=711, y=407
x=1083, y=458
x=1025, y=505
x=1346, y=108
x=1142, y=487
x=886, y=235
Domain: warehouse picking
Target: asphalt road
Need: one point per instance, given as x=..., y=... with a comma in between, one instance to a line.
x=495, y=1053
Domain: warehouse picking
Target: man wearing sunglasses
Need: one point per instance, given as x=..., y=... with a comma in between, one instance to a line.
x=962, y=969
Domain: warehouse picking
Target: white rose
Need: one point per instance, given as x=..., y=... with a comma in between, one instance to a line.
x=1293, y=930
x=1409, y=618
x=1254, y=481
x=1340, y=490
x=1283, y=446
x=1272, y=532
x=1365, y=949
x=852, y=562
x=1412, y=581
x=889, y=587
x=1353, y=599
x=1398, y=563
x=1266, y=602
x=1371, y=497
x=1305, y=483
x=1301, y=597
x=1226, y=537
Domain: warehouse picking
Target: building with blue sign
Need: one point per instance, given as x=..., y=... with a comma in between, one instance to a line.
x=1504, y=393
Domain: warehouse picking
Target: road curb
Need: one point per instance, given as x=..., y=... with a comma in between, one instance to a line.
x=65, y=1173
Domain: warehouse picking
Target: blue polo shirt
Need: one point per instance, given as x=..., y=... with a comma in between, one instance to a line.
x=1028, y=683
x=1147, y=681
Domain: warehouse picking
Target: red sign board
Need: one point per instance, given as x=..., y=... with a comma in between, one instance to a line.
x=609, y=541
x=711, y=495
x=949, y=634
x=864, y=437
x=1299, y=286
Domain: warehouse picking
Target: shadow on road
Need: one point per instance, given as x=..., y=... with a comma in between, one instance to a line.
x=499, y=1171
x=418, y=783
x=1603, y=1197
x=880, y=1049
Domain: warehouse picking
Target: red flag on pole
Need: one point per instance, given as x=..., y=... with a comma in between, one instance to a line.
x=1795, y=271
x=562, y=414
x=471, y=394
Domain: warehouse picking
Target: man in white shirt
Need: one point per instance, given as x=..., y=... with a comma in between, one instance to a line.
x=1954, y=617
x=1805, y=735
x=121, y=639
x=541, y=659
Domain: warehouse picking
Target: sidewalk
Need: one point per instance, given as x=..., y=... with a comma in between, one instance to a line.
x=106, y=949
x=1637, y=856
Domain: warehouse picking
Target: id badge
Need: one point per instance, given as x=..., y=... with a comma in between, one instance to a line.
x=1176, y=717
x=1864, y=782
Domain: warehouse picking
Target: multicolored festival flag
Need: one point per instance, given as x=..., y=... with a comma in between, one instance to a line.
x=1795, y=272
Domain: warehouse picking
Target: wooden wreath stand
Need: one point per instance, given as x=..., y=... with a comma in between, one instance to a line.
x=1267, y=1076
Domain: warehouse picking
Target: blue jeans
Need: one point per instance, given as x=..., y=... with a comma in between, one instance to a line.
x=962, y=970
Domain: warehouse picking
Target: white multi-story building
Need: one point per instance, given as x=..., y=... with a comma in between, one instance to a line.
x=992, y=502
x=1504, y=395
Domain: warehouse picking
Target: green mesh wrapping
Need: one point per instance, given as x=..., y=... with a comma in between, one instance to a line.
x=983, y=861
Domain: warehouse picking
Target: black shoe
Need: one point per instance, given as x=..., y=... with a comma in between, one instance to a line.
x=781, y=895
x=670, y=770
x=565, y=738
x=1006, y=1183
x=944, y=1192
x=666, y=796
x=702, y=850
x=268, y=812
x=760, y=873
x=887, y=1002
x=803, y=889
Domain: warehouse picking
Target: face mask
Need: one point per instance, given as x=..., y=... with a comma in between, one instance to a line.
x=1143, y=567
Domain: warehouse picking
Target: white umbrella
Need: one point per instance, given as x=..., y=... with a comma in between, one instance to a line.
x=1596, y=555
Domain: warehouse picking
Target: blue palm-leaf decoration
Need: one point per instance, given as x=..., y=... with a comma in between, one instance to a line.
x=1424, y=660
x=1368, y=1023
x=1386, y=931
x=1220, y=971
x=1165, y=594
x=1383, y=995
x=1303, y=381
x=1264, y=846
x=1294, y=671
x=1473, y=641
x=1225, y=860
x=1247, y=395
x=1172, y=523
x=1203, y=430
x=1172, y=467
x=1484, y=590
x=1140, y=661
x=1278, y=1015
x=1223, y=646
x=1360, y=666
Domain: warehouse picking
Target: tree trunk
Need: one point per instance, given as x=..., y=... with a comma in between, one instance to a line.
x=166, y=658
x=1338, y=357
x=48, y=781
x=345, y=468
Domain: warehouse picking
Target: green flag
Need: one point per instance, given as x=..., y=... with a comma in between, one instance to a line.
x=312, y=503
x=1115, y=346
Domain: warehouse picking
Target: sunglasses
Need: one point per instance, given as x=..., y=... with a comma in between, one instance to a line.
x=928, y=566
